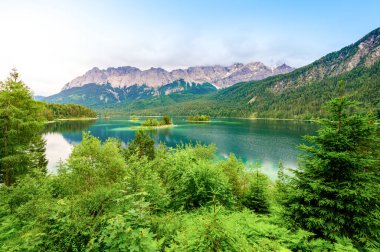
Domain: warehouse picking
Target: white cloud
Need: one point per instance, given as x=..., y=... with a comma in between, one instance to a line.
x=52, y=42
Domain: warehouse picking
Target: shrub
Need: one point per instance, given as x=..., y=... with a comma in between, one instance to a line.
x=149, y=122
x=165, y=120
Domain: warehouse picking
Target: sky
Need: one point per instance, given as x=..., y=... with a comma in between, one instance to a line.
x=52, y=42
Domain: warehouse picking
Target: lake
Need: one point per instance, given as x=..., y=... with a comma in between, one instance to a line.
x=263, y=142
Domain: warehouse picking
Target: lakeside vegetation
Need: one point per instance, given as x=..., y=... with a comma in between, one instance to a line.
x=152, y=123
x=56, y=111
x=198, y=118
x=107, y=197
x=135, y=118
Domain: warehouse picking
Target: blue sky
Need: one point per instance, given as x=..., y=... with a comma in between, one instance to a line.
x=52, y=42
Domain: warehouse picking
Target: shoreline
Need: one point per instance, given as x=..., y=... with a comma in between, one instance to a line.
x=198, y=121
x=73, y=119
x=152, y=127
x=245, y=118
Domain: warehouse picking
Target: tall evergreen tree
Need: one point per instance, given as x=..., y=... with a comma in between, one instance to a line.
x=37, y=157
x=20, y=124
x=142, y=145
x=336, y=191
x=257, y=197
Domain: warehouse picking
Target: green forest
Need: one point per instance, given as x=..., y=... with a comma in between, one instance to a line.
x=54, y=111
x=147, y=197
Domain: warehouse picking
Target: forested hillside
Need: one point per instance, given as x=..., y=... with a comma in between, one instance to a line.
x=67, y=111
x=302, y=92
x=298, y=94
x=98, y=96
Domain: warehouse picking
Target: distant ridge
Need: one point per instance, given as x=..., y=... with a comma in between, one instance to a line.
x=217, y=75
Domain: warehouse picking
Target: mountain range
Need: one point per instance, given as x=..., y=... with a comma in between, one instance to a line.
x=125, y=84
x=219, y=76
x=251, y=90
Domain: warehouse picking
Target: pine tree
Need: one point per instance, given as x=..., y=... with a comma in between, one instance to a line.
x=336, y=191
x=166, y=120
x=282, y=181
x=142, y=145
x=37, y=157
x=257, y=197
x=20, y=124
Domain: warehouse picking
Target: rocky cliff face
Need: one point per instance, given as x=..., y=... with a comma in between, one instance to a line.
x=155, y=77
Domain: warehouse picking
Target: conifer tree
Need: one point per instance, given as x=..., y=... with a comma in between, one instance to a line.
x=20, y=124
x=142, y=145
x=336, y=191
x=257, y=197
x=37, y=157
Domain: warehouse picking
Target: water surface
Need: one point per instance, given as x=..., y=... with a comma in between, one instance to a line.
x=264, y=142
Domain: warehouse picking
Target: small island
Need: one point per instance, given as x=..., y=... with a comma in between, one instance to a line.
x=152, y=123
x=106, y=115
x=198, y=118
x=134, y=118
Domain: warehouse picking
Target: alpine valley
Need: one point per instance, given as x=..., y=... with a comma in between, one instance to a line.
x=251, y=90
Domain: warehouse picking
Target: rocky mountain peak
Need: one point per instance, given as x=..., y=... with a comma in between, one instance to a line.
x=216, y=75
x=93, y=70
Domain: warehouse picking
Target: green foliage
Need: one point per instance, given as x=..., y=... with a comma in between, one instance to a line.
x=101, y=202
x=195, y=184
x=281, y=186
x=208, y=232
x=335, y=191
x=165, y=120
x=21, y=146
x=237, y=231
x=94, y=164
x=257, y=198
x=36, y=155
x=237, y=175
x=198, y=118
x=150, y=122
x=54, y=111
x=144, y=181
x=118, y=235
x=141, y=146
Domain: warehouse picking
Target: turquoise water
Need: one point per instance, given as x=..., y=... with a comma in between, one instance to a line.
x=264, y=142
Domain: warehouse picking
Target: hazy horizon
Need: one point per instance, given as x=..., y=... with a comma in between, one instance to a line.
x=52, y=42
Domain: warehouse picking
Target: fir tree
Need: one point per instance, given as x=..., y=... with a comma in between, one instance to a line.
x=37, y=157
x=20, y=124
x=257, y=197
x=336, y=191
x=142, y=145
x=166, y=120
